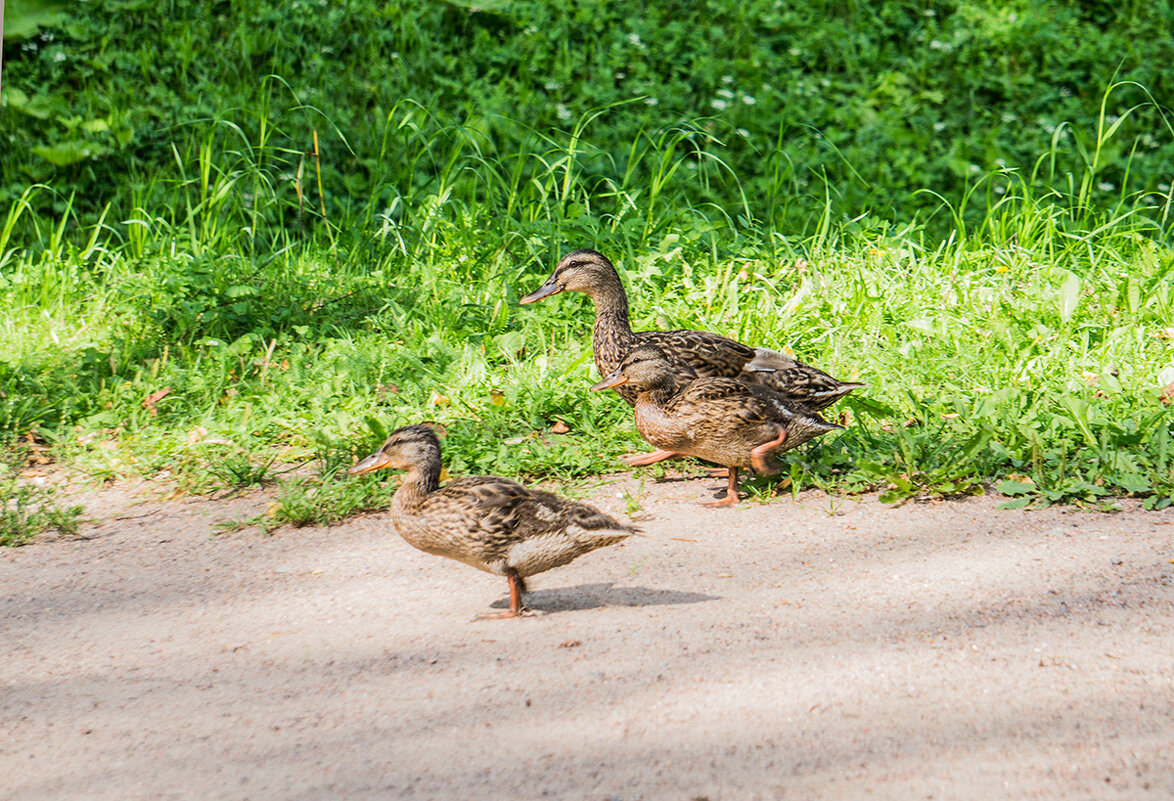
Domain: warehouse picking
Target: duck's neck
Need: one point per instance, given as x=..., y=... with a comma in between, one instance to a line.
x=612, y=334
x=661, y=392
x=418, y=483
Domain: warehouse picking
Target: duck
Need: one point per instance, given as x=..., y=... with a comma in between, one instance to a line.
x=718, y=419
x=491, y=523
x=692, y=353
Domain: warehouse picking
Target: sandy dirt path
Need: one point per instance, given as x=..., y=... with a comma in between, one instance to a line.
x=802, y=649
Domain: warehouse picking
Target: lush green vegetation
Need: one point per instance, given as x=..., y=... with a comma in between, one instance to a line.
x=966, y=205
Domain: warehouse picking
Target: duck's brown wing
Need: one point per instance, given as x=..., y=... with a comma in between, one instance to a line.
x=796, y=380
x=728, y=398
x=750, y=404
x=502, y=514
x=706, y=353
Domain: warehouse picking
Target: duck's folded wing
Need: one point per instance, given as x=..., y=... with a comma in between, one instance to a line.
x=706, y=353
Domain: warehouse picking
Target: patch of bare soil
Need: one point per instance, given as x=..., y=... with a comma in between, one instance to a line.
x=801, y=649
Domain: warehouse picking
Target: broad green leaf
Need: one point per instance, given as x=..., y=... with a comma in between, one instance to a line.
x=72, y=151
x=23, y=18
x=1069, y=295
x=1010, y=487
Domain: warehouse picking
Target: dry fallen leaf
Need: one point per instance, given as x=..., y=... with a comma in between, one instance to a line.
x=1168, y=393
x=150, y=401
x=559, y=427
x=497, y=397
x=569, y=644
x=439, y=400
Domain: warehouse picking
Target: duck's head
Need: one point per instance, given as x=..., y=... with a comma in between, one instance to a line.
x=407, y=447
x=644, y=367
x=585, y=271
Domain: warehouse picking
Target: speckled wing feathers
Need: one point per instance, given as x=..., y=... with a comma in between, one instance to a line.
x=502, y=524
x=706, y=353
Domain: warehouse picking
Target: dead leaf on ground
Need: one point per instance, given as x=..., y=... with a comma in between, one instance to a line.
x=559, y=428
x=150, y=401
x=569, y=644
x=1168, y=393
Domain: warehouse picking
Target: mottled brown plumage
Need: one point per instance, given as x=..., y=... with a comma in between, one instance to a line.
x=491, y=523
x=690, y=353
x=722, y=420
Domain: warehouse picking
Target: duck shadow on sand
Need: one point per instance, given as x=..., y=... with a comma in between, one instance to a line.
x=597, y=596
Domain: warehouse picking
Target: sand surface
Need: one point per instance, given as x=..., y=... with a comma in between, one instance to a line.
x=809, y=648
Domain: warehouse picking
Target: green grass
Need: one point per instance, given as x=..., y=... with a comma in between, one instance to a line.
x=27, y=509
x=1002, y=287
x=861, y=104
x=979, y=352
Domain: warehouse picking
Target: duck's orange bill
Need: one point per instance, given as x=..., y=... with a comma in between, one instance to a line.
x=375, y=461
x=614, y=380
x=551, y=287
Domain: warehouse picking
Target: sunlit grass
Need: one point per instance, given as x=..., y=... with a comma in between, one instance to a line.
x=1030, y=352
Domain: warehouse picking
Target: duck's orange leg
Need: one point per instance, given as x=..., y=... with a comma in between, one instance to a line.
x=731, y=497
x=758, y=455
x=517, y=589
x=641, y=459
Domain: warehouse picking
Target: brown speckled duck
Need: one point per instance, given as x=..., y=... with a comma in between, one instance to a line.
x=491, y=523
x=718, y=419
x=689, y=352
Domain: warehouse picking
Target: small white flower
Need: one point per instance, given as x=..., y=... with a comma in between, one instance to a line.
x=620, y=75
x=936, y=44
x=794, y=51
x=1163, y=187
x=727, y=79
x=1001, y=162
x=939, y=126
x=975, y=168
x=59, y=56
x=650, y=101
x=719, y=104
x=552, y=85
x=634, y=39
x=726, y=93
x=929, y=12
x=1000, y=189
x=1008, y=117
x=563, y=112
x=748, y=100
x=1105, y=186
x=742, y=132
